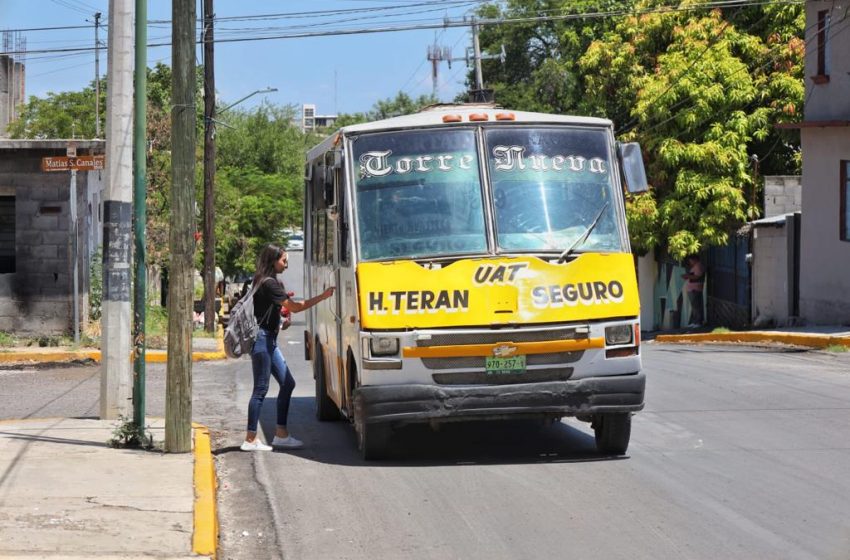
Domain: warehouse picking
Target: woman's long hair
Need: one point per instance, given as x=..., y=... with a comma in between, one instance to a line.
x=265, y=263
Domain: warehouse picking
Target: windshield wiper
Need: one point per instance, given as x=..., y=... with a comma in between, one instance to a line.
x=583, y=237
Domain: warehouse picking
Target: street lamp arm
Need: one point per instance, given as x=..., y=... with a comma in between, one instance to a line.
x=253, y=93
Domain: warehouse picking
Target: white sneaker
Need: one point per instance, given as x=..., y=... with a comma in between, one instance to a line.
x=288, y=442
x=255, y=445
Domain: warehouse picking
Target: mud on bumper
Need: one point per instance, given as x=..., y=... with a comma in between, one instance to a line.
x=423, y=403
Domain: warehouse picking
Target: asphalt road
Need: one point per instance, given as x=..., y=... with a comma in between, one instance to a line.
x=740, y=453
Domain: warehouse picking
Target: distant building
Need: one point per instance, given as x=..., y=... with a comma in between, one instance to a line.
x=825, y=138
x=311, y=121
x=12, y=91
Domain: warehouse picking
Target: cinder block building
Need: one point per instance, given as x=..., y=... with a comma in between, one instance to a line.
x=45, y=234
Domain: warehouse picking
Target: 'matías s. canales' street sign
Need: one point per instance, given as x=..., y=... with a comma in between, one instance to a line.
x=75, y=163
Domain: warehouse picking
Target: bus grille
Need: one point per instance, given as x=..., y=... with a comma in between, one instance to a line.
x=453, y=339
x=478, y=361
x=481, y=378
x=526, y=335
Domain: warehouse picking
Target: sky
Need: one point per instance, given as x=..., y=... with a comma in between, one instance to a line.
x=339, y=74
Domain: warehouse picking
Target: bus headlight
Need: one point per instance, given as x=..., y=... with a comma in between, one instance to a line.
x=383, y=346
x=618, y=334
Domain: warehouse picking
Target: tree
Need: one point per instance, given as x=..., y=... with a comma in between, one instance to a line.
x=701, y=91
x=259, y=183
x=540, y=71
x=401, y=104
x=67, y=114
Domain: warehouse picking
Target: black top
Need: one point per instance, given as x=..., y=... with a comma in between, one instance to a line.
x=267, y=303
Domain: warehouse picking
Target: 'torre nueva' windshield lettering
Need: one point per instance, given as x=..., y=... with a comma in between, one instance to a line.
x=513, y=158
x=377, y=163
x=505, y=158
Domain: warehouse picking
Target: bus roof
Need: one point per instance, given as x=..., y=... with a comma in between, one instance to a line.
x=433, y=116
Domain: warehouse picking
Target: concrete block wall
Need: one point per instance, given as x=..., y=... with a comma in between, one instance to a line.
x=770, y=277
x=37, y=298
x=783, y=194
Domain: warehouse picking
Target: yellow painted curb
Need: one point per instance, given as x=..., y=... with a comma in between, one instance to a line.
x=46, y=356
x=205, y=534
x=794, y=339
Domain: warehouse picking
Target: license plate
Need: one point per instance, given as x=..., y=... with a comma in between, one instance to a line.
x=514, y=364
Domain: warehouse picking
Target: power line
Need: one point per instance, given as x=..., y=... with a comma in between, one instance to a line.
x=462, y=23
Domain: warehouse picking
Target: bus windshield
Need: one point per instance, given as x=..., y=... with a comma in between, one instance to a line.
x=549, y=184
x=418, y=194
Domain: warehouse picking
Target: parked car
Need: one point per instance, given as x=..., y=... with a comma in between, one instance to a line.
x=295, y=241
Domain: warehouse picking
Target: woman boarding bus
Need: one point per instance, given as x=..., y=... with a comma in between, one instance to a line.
x=484, y=272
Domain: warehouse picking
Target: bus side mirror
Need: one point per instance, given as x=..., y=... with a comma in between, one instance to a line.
x=631, y=162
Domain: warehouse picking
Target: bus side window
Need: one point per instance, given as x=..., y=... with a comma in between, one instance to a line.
x=321, y=238
x=314, y=228
x=343, y=218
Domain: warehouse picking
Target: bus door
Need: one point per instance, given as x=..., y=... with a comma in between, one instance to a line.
x=333, y=350
x=345, y=295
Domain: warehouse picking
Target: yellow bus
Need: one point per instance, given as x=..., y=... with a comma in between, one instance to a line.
x=483, y=272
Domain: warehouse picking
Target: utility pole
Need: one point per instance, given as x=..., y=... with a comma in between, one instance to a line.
x=97, y=75
x=178, y=398
x=117, y=211
x=438, y=54
x=140, y=213
x=209, y=168
x=476, y=48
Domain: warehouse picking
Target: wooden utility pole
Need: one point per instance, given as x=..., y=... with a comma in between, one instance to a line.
x=178, y=398
x=209, y=169
x=97, y=75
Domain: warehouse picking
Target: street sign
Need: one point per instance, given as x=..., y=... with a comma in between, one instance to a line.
x=79, y=163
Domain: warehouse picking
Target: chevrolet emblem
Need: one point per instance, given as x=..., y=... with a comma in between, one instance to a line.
x=504, y=350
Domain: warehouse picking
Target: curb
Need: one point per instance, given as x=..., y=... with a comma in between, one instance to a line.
x=793, y=339
x=151, y=356
x=205, y=533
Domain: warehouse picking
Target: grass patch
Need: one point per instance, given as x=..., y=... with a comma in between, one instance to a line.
x=837, y=348
x=8, y=340
x=720, y=330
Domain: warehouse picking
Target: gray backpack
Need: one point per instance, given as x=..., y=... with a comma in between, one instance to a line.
x=242, y=327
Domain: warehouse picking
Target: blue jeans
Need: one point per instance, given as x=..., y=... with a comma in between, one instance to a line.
x=267, y=360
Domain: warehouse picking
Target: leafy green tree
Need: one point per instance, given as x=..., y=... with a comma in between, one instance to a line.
x=66, y=114
x=259, y=182
x=540, y=71
x=401, y=104
x=701, y=91
x=702, y=94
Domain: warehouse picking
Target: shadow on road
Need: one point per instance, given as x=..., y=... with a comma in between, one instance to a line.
x=417, y=445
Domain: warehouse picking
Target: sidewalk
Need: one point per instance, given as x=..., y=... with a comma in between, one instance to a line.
x=64, y=494
x=203, y=349
x=808, y=337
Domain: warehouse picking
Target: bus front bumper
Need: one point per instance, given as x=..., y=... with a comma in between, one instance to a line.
x=424, y=403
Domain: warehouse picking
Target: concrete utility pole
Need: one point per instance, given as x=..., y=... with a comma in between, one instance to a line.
x=209, y=168
x=117, y=210
x=479, y=80
x=97, y=75
x=178, y=398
